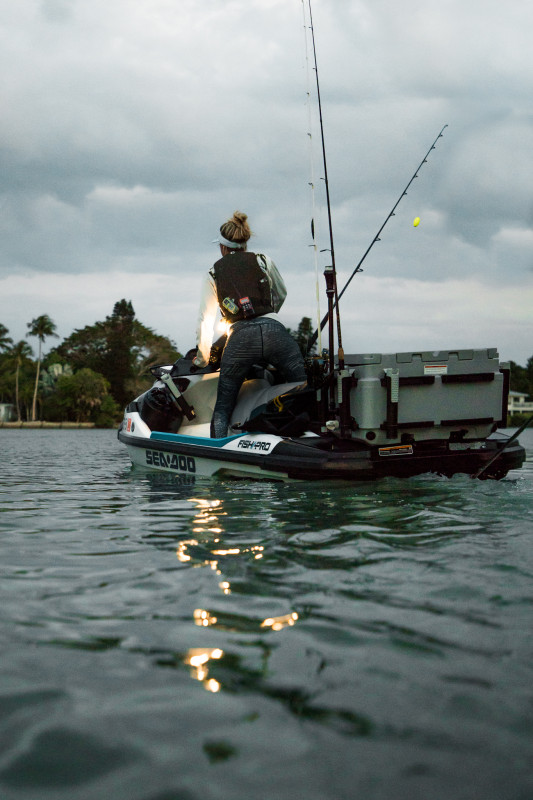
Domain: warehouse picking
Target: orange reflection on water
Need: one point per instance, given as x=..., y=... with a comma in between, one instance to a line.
x=208, y=530
x=182, y=547
x=198, y=658
x=277, y=623
x=203, y=618
x=208, y=513
x=257, y=549
x=203, y=503
x=210, y=549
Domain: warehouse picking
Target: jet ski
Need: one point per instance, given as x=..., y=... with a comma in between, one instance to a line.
x=368, y=417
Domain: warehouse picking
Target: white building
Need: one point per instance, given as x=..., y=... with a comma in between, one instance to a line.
x=519, y=403
x=7, y=412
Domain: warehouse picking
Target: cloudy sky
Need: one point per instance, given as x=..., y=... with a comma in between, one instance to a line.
x=131, y=129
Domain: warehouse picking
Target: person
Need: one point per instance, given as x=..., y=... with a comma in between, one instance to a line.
x=249, y=291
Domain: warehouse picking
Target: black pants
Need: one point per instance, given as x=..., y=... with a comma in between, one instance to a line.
x=260, y=341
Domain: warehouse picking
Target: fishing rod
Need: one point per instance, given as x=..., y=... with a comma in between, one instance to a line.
x=311, y=173
x=331, y=272
x=506, y=445
x=376, y=238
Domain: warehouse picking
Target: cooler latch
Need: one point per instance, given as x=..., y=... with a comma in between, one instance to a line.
x=392, y=385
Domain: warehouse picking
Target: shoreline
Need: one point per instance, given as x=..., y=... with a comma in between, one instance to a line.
x=39, y=424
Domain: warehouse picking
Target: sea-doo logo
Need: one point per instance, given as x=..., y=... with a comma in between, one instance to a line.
x=248, y=444
x=155, y=458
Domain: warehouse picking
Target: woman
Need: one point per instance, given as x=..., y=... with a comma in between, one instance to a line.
x=249, y=291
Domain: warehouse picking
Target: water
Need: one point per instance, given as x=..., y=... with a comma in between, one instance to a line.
x=257, y=640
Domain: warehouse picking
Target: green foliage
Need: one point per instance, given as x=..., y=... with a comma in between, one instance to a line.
x=41, y=327
x=5, y=340
x=108, y=414
x=90, y=376
x=518, y=380
x=122, y=349
x=515, y=420
x=81, y=397
x=303, y=335
x=50, y=375
x=118, y=358
x=522, y=377
x=86, y=347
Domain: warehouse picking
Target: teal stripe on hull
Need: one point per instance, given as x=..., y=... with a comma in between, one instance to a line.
x=198, y=440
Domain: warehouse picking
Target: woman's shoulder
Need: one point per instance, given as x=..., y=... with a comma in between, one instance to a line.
x=263, y=260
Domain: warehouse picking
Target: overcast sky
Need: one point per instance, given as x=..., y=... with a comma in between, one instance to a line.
x=131, y=129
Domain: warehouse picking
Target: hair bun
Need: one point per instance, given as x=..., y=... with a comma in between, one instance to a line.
x=237, y=228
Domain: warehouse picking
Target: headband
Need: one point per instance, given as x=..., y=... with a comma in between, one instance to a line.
x=228, y=243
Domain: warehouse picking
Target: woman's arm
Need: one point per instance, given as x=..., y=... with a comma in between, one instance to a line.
x=207, y=318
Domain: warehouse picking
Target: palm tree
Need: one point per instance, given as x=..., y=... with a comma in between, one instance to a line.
x=41, y=327
x=5, y=340
x=15, y=358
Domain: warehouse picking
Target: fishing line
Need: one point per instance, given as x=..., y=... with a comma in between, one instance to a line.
x=312, y=176
x=376, y=238
x=391, y=213
x=511, y=439
x=333, y=272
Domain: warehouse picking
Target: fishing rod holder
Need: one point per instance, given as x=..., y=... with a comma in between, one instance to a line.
x=177, y=396
x=329, y=275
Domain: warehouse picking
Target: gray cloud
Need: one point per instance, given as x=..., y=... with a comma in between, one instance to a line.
x=133, y=130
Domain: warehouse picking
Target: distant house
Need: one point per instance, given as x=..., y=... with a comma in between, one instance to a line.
x=519, y=403
x=7, y=412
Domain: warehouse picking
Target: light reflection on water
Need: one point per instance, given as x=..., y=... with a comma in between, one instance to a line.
x=259, y=639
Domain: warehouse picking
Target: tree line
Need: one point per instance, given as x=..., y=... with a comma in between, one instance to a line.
x=522, y=377
x=89, y=376
x=93, y=373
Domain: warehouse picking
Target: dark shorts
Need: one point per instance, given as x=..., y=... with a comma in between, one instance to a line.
x=261, y=341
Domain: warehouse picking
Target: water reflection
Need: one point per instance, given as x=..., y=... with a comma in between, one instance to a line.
x=208, y=550
x=399, y=513
x=278, y=623
x=329, y=555
x=198, y=658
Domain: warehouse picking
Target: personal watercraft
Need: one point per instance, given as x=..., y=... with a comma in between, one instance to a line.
x=400, y=415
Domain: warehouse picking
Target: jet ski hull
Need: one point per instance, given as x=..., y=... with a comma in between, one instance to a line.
x=267, y=457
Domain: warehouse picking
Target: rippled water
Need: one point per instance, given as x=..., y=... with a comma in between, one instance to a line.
x=258, y=640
